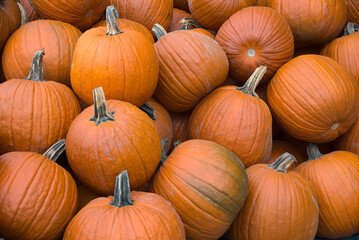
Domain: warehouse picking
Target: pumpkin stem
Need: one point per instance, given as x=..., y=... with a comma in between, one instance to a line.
x=54, y=152
x=112, y=25
x=164, y=156
x=121, y=196
x=283, y=162
x=159, y=31
x=176, y=143
x=24, y=17
x=351, y=28
x=148, y=110
x=101, y=113
x=250, y=86
x=36, y=71
x=186, y=23
x=313, y=151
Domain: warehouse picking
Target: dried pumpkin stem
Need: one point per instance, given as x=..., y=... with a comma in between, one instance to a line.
x=24, y=17
x=121, y=196
x=283, y=162
x=164, y=156
x=101, y=113
x=313, y=151
x=54, y=152
x=158, y=30
x=186, y=23
x=250, y=86
x=36, y=71
x=111, y=21
x=148, y=110
x=351, y=28
x=175, y=144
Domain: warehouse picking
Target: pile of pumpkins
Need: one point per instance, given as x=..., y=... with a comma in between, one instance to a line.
x=179, y=119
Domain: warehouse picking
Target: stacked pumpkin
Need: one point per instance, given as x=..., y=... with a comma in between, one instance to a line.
x=198, y=106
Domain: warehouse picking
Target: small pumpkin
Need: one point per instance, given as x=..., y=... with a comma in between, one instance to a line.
x=9, y=20
x=30, y=11
x=177, y=16
x=280, y=147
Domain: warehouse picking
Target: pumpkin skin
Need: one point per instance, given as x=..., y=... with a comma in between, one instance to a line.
x=237, y=120
x=312, y=22
x=329, y=174
x=9, y=20
x=57, y=38
x=280, y=147
x=212, y=14
x=188, y=179
x=256, y=36
x=283, y=203
x=180, y=127
x=177, y=16
x=181, y=4
x=313, y=98
x=38, y=197
x=352, y=10
x=81, y=13
x=30, y=11
x=349, y=141
x=84, y=196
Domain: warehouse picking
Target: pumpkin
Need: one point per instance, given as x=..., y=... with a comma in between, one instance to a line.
x=280, y=205
x=349, y=141
x=126, y=215
x=345, y=50
x=236, y=118
x=57, y=38
x=81, y=13
x=30, y=11
x=181, y=4
x=262, y=2
x=9, y=20
x=38, y=197
x=108, y=138
x=213, y=13
x=177, y=16
x=34, y=113
x=191, y=24
x=280, y=147
x=123, y=62
x=256, y=36
x=335, y=179
x=352, y=7
x=191, y=65
x=312, y=22
x=313, y=98
x=206, y=184
x=180, y=127
x=146, y=12
x=84, y=196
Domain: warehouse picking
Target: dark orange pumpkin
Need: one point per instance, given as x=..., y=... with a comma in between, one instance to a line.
x=280, y=147
x=335, y=179
x=124, y=63
x=30, y=11
x=9, y=19
x=349, y=141
x=38, y=196
x=84, y=196
x=236, y=118
x=352, y=10
x=256, y=36
x=177, y=16
x=313, y=98
x=34, y=113
x=191, y=24
x=206, y=184
x=181, y=4
x=279, y=206
x=180, y=127
x=130, y=216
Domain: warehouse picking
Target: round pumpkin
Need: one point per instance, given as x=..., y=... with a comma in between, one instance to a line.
x=123, y=62
x=181, y=4
x=9, y=19
x=349, y=141
x=352, y=10
x=191, y=65
x=57, y=38
x=335, y=179
x=34, y=113
x=206, y=184
x=191, y=24
x=280, y=147
x=30, y=11
x=108, y=138
x=256, y=36
x=280, y=205
x=126, y=215
x=236, y=118
x=313, y=98
x=177, y=16
x=39, y=197
x=312, y=22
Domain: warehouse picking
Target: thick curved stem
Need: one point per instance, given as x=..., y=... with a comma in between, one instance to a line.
x=24, y=17
x=101, y=113
x=351, y=28
x=111, y=21
x=148, y=110
x=121, y=197
x=54, y=152
x=250, y=86
x=159, y=31
x=313, y=151
x=36, y=71
x=186, y=24
x=283, y=162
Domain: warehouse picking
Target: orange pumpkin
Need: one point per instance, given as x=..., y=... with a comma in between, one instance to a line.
x=84, y=196
x=9, y=20
x=280, y=147
x=335, y=179
x=177, y=16
x=191, y=24
x=181, y=4
x=38, y=196
x=352, y=10
x=180, y=127
x=349, y=141
x=30, y=11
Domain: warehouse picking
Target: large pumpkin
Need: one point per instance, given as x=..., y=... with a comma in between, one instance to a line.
x=57, y=38
x=236, y=118
x=206, y=184
x=34, y=113
x=312, y=22
x=335, y=179
x=38, y=196
x=9, y=19
x=256, y=36
x=280, y=205
x=313, y=98
x=123, y=62
x=352, y=10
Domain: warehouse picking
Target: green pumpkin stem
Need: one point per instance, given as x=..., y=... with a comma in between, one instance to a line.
x=164, y=156
x=101, y=113
x=36, y=71
x=111, y=21
x=283, y=162
x=148, y=110
x=24, y=17
x=313, y=151
x=121, y=196
x=351, y=28
x=54, y=152
x=159, y=31
x=186, y=23
x=250, y=86
x=176, y=143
